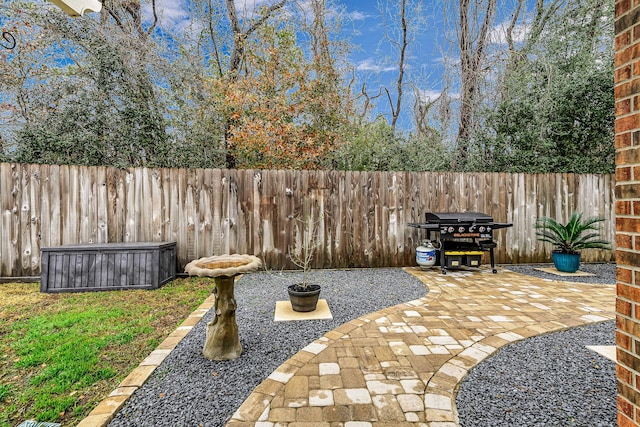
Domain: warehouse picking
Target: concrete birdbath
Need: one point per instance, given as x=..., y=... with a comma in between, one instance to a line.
x=222, y=340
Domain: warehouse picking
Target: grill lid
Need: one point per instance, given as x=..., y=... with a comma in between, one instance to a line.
x=457, y=217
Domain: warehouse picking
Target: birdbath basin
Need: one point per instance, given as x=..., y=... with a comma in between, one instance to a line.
x=222, y=340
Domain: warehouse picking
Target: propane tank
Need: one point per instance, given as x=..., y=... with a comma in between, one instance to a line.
x=426, y=255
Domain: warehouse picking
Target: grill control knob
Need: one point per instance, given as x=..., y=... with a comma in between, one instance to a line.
x=481, y=229
x=460, y=229
x=451, y=229
x=488, y=229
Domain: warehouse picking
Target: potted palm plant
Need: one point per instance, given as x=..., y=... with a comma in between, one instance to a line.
x=304, y=296
x=570, y=238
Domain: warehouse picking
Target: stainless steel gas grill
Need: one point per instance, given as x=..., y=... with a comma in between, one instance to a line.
x=461, y=238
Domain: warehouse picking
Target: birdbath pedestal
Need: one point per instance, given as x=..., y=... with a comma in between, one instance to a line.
x=222, y=340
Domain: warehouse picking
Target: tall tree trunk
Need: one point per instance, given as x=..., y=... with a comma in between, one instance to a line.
x=401, y=64
x=402, y=45
x=471, y=59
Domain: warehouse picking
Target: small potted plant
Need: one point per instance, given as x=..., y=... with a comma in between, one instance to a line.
x=569, y=239
x=304, y=296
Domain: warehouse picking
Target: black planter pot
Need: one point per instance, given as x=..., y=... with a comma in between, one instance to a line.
x=304, y=300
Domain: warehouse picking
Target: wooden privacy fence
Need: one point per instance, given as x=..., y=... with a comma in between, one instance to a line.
x=363, y=215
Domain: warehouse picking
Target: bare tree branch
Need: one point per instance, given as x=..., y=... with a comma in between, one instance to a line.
x=401, y=64
x=266, y=15
x=240, y=37
x=512, y=25
x=107, y=6
x=213, y=38
x=155, y=17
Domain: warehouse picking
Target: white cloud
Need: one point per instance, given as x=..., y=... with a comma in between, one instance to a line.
x=429, y=95
x=249, y=6
x=498, y=34
x=173, y=15
x=247, y=9
x=370, y=64
x=356, y=15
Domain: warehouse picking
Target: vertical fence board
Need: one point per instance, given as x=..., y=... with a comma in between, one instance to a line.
x=22, y=227
x=254, y=191
x=333, y=217
x=215, y=207
x=158, y=211
x=35, y=195
x=230, y=200
x=391, y=231
x=10, y=220
x=130, y=213
x=412, y=210
x=197, y=177
x=24, y=209
x=341, y=219
x=68, y=209
x=85, y=196
x=369, y=231
x=145, y=200
x=267, y=216
x=165, y=189
x=101, y=205
x=378, y=210
x=189, y=210
x=175, y=212
x=318, y=215
x=114, y=231
x=243, y=237
x=44, y=207
x=205, y=219
x=55, y=198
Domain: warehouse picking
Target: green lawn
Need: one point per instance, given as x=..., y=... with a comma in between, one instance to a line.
x=60, y=354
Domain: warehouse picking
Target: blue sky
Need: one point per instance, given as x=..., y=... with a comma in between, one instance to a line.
x=363, y=23
x=373, y=55
x=369, y=25
x=372, y=24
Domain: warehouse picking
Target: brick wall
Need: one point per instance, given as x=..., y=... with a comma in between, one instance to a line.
x=627, y=141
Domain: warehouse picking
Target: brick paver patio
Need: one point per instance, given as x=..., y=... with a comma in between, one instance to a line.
x=400, y=366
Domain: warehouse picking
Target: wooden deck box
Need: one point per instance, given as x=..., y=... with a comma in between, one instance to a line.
x=107, y=266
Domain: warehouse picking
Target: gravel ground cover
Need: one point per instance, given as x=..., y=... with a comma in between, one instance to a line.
x=189, y=390
x=602, y=273
x=549, y=380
